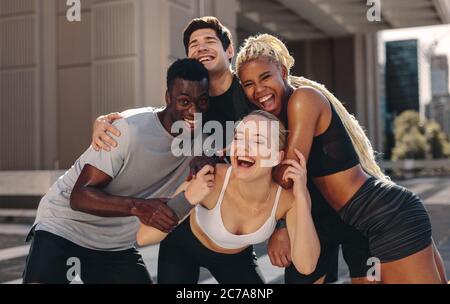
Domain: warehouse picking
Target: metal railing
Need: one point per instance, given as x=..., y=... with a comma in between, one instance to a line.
x=38, y=182
x=409, y=168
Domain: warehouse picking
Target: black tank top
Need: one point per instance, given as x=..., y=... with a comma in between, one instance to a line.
x=332, y=151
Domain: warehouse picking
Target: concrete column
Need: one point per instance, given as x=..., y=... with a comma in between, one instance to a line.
x=360, y=80
x=226, y=12
x=19, y=85
x=74, y=83
x=153, y=48
x=48, y=83
x=367, y=88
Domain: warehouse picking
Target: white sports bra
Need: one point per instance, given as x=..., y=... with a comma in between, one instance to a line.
x=210, y=221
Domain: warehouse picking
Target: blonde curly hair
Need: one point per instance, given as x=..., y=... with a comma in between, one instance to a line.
x=273, y=49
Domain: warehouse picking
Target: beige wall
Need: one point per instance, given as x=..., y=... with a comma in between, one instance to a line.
x=20, y=120
x=57, y=76
x=326, y=61
x=349, y=69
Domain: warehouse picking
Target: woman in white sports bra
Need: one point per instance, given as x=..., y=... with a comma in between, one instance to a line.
x=238, y=206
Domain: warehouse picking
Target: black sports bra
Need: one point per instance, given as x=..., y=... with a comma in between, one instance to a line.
x=332, y=151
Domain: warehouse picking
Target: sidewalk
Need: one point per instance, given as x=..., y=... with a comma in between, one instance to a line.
x=14, y=224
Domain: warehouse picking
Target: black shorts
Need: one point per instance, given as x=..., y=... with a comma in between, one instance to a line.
x=332, y=233
x=181, y=255
x=392, y=218
x=55, y=260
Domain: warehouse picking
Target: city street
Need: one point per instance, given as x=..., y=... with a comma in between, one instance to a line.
x=14, y=225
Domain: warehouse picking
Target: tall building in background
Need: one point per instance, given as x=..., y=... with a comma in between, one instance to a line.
x=402, y=84
x=402, y=76
x=439, y=107
x=439, y=75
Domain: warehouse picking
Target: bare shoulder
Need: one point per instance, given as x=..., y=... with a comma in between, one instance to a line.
x=286, y=203
x=221, y=171
x=219, y=176
x=306, y=96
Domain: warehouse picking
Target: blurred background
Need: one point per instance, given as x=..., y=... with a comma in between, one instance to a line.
x=386, y=60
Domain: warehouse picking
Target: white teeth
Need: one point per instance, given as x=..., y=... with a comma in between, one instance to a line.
x=205, y=59
x=242, y=158
x=265, y=98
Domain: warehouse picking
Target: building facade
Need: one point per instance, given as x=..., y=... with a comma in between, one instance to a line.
x=56, y=76
x=439, y=75
x=439, y=107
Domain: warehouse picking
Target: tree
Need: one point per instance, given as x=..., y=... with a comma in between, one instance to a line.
x=410, y=141
x=416, y=138
x=437, y=140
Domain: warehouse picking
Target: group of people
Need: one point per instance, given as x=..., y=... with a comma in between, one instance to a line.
x=324, y=190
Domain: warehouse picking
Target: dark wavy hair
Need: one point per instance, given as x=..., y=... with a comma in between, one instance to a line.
x=208, y=22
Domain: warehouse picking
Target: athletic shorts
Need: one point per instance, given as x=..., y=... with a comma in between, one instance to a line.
x=392, y=218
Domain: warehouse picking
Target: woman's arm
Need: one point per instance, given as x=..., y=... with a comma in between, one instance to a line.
x=305, y=245
x=304, y=111
x=196, y=190
x=148, y=235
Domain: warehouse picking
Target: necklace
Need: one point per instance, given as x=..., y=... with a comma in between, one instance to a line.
x=255, y=210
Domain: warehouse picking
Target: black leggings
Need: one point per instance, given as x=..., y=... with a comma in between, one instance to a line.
x=51, y=261
x=181, y=255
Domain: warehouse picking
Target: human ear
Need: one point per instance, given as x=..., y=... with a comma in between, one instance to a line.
x=167, y=97
x=230, y=51
x=284, y=72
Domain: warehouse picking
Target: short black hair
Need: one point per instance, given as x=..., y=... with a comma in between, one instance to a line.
x=186, y=69
x=208, y=22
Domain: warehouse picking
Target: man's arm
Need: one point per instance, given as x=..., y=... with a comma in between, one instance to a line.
x=279, y=246
x=87, y=196
x=195, y=192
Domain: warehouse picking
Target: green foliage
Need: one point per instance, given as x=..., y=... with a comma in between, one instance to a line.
x=416, y=138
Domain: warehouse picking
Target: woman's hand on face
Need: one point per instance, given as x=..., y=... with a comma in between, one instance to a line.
x=103, y=124
x=297, y=173
x=200, y=185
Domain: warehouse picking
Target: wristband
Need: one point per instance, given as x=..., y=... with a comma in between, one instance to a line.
x=281, y=224
x=180, y=205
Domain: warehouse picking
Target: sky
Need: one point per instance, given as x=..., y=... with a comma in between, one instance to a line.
x=427, y=35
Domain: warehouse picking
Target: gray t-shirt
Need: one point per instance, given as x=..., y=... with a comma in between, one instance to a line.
x=142, y=166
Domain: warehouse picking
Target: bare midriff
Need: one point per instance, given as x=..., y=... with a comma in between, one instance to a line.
x=340, y=187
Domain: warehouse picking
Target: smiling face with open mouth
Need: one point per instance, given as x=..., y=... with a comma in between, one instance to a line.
x=264, y=83
x=253, y=143
x=206, y=47
x=206, y=59
x=186, y=99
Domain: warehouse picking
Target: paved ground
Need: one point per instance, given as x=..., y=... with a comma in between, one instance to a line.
x=434, y=191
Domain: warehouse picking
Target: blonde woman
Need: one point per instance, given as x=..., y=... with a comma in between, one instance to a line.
x=238, y=206
x=341, y=161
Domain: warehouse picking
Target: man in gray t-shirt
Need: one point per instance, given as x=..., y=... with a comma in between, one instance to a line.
x=86, y=224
